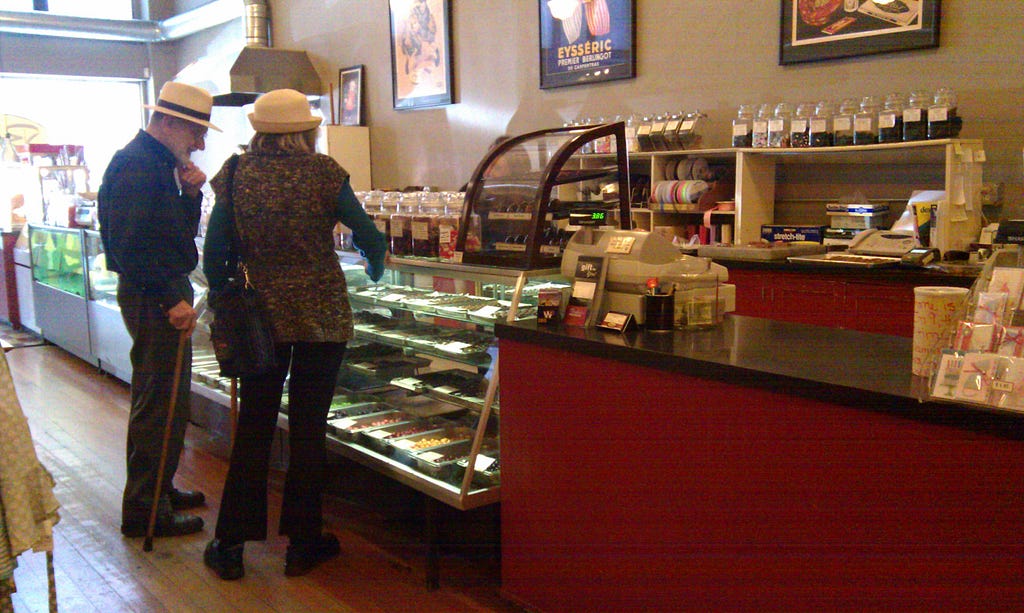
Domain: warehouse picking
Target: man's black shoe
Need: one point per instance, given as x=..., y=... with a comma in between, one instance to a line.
x=226, y=561
x=304, y=556
x=167, y=524
x=186, y=499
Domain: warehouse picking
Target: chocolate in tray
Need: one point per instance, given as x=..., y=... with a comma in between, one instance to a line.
x=348, y=427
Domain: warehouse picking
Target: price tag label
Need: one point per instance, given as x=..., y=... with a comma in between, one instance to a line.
x=344, y=423
x=393, y=298
x=406, y=382
x=454, y=347
x=446, y=389
x=403, y=444
x=378, y=434
x=487, y=311
x=483, y=463
x=431, y=456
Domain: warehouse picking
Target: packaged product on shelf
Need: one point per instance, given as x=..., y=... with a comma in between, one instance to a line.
x=759, y=133
x=820, y=128
x=799, y=128
x=742, y=126
x=890, y=119
x=778, y=125
x=942, y=118
x=842, y=123
x=974, y=383
x=865, y=122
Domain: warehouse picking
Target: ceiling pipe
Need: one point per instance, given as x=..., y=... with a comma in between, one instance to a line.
x=126, y=30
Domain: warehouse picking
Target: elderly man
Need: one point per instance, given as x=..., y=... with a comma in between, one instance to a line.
x=149, y=205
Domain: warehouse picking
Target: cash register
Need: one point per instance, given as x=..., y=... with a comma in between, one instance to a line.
x=633, y=257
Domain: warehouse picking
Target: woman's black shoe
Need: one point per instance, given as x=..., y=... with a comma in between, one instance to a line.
x=167, y=524
x=182, y=500
x=304, y=556
x=225, y=560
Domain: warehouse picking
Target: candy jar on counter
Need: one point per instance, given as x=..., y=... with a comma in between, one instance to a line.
x=915, y=116
x=672, y=122
x=401, y=222
x=448, y=225
x=819, y=129
x=778, y=125
x=742, y=126
x=865, y=122
x=942, y=115
x=658, y=133
x=759, y=134
x=643, y=134
x=799, y=127
x=890, y=119
x=842, y=122
x=425, y=225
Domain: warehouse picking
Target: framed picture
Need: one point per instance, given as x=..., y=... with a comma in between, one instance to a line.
x=421, y=64
x=350, y=82
x=814, y=30
x=586, y=41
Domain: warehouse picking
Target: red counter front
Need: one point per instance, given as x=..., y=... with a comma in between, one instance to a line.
x=630, y=488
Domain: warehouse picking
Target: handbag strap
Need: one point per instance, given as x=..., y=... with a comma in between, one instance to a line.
x=236, y=238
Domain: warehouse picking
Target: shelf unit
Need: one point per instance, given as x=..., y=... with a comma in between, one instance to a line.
x=770, y=182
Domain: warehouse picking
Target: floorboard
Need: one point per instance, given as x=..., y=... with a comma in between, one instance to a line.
x=78, y=417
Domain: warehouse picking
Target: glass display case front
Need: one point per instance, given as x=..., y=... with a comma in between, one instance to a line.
x=514, y=217
x=57, y=258
x=102, y=281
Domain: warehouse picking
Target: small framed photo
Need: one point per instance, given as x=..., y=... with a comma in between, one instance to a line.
x=421, y=60
x=350, y=81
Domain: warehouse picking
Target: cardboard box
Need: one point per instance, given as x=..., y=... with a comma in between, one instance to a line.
x=791, y=234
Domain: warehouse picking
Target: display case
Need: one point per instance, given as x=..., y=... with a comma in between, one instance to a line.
x=59, y=288
x=515, y=209
x=110, y=341
x=415, y=399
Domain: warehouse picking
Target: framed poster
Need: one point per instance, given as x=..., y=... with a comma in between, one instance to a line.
x=421, y=60
x=814, y=30
x=586, y=41
x=350, y=82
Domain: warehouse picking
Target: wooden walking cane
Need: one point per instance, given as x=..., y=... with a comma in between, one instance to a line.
x=147, y=545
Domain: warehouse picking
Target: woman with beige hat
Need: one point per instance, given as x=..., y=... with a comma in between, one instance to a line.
x=286, y=201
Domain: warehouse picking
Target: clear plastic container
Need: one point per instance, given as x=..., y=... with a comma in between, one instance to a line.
x=448, y=225
x=820, y=128
x=799, y=127
x=742, y=126
x=643, y=134
x=401, y=225
x=842, y=122
x=658, y=133
x=778, y=125
x=865, y=122
x=915, y=116
x=890, y=119
x=672, y=123
x=942, y=118
x=425, y=230
x=759, y=131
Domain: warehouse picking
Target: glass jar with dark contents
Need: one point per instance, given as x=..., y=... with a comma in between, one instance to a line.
x=890, y=119
x=842, y=122
x=401, y=226
x=425, y=225
x=742, y=126
x=915, y=116
x=799, y=127
x=778, y=125
x=865, y=122
x=820, y=128
x=942, y=114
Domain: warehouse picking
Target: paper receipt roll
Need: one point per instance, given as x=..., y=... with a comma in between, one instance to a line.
x=936, y=313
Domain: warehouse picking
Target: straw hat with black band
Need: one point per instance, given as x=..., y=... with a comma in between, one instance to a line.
x=282, y=111
x=185, y=101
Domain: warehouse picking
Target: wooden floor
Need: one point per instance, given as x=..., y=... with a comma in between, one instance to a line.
x=78, y=418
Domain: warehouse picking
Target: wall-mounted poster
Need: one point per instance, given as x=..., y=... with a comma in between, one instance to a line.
x=421, y=69
x=351, y=85
x=827, y=29
x=586, y=41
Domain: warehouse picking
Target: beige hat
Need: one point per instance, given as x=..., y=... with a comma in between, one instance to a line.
x=282, y=111
x=185, y=101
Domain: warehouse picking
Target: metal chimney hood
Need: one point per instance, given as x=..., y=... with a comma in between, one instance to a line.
x=259, y=68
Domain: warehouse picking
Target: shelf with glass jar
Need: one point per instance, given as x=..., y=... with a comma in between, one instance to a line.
x=764, y=183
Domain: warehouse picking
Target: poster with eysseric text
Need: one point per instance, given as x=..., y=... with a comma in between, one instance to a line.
x=586, y=41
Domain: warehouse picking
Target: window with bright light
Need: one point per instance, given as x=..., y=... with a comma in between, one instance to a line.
x=101, y=9
x=100, y=114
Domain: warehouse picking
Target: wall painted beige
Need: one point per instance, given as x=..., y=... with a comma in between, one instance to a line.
x=691, y=54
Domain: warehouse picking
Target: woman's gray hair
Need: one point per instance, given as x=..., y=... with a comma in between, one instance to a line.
x=291, y=142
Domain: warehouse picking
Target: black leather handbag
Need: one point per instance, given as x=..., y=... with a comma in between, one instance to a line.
x=240, y=333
